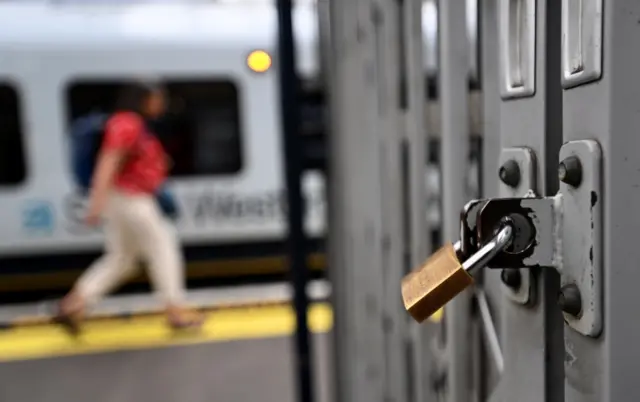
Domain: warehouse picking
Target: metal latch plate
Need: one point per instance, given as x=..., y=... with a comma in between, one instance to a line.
x=581, y=237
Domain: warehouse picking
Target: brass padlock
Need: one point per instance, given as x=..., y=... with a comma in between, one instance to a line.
x=443, y=275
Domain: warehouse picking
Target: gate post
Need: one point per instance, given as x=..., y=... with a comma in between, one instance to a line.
x=371, y=107
x=530, y=118
x=454, y=76
x=413, y=153
x=601, y=98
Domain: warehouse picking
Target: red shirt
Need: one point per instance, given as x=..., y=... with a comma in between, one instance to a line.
x=145, y=166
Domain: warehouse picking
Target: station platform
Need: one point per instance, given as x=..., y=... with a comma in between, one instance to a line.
x=244, y=352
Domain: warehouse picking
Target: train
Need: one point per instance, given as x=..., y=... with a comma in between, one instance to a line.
x=61, y=60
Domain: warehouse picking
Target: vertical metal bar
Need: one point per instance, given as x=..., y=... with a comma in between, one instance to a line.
x=355, y=209
x=475, y=184
x=490, y=92
x=600, y=102
x=339, y=272
x=488, y=22
x=530, y=116
x=454, y=72
x=333, y=385
x=343, y=57
x=392, y=102
x=401, y=113
x=414, y=154
x=293, y=170
x=425, y=202
x=324, y=42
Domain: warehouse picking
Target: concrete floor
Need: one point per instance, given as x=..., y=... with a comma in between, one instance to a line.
x=237, y=371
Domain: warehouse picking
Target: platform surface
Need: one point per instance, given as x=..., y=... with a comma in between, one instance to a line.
x=231, y=371
x=127, y=353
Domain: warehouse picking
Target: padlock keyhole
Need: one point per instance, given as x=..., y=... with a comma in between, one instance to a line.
x=523, y=234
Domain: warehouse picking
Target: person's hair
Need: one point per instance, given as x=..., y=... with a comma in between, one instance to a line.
x=132, y=97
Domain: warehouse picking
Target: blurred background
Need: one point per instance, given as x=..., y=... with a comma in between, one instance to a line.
x=60, y=60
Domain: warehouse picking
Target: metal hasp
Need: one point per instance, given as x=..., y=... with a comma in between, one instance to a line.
x=581, y=42
x=517, y=283
x=581, y=235
x=562, y=232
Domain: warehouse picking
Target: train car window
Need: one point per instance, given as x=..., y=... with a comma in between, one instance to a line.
x=13, y=170
x=201, y=130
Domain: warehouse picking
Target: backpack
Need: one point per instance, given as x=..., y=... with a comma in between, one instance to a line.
x=167, y=202
x=87, y=133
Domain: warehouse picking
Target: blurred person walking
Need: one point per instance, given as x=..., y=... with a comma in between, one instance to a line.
x=126, y=189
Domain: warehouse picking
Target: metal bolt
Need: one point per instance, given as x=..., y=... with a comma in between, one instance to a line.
x=510, y=173
x=569, y=300
x=511, y=278
x=570, y=171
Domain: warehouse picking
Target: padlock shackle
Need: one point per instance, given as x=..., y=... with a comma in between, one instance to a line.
x=498, y=243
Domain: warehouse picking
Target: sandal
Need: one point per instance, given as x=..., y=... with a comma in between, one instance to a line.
x=185, y=320
x=70, y=322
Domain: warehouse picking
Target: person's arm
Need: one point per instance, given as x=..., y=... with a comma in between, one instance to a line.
x=120, y=135
x=107, y=166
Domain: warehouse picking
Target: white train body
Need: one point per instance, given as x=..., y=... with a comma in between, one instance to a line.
x=51, y=53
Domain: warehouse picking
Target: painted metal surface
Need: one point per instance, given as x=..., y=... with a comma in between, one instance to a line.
x=581, y=236
x=454, y=154
x=369, y=237
x=535, y=122
x=517, y=36
x=491, y=281
x=525, y=293
x=607, y=111
x=581, y=41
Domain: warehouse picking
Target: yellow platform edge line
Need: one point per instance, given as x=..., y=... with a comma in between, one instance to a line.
x=145, y=332
x=27, y=320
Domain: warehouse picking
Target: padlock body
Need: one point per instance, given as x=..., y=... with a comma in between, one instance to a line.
x=437, y=281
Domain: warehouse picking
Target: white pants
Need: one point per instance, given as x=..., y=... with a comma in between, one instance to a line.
x=136, y=229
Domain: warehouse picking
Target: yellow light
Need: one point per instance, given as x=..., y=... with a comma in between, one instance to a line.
x=259, y=61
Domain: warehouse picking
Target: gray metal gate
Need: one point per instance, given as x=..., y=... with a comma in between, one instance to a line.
x=561, y=111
